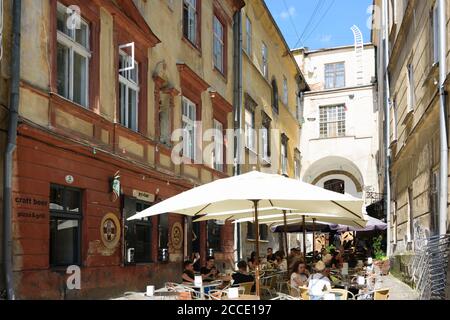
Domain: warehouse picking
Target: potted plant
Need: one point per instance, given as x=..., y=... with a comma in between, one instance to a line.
x=381, y=261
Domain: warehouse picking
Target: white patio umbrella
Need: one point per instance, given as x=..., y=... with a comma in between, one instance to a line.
x=282, y=217
x=256, y=191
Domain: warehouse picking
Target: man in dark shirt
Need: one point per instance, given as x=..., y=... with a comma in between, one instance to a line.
x=209, y=272
x=242, y=275
x=270, y=256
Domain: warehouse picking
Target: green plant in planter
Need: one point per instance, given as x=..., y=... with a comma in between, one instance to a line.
x=380, y=255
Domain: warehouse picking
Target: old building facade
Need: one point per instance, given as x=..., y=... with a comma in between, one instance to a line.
x=413, y=142
x=99, y=99
x=272, y=82
x=115, y=110
x=339, y=137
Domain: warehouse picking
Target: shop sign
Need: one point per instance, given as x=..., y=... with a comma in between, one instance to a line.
x=144, y=196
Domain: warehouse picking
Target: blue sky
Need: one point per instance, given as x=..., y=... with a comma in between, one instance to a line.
x=330, y=26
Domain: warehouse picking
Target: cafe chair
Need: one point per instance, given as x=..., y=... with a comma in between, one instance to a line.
x=268, y=284
x=304, y=293
x=283, y=296
x=247, y=287
x=294, y=292
x=381, y=294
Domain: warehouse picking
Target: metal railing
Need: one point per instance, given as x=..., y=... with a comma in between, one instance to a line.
x=429, y=267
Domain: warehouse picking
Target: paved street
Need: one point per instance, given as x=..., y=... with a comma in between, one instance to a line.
x=399, y=290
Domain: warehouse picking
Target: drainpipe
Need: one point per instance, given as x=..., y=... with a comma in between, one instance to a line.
x=387, y=131
x=443, y=169
x=11, y=146
x=237, y=112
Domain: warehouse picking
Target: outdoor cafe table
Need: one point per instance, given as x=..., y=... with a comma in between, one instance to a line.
x=204, y=286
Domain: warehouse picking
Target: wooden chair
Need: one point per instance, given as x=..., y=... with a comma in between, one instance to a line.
x=247, y=287
x=381, y=294
x=304, y=293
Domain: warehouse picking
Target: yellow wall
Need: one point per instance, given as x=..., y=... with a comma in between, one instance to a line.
x=260, y=88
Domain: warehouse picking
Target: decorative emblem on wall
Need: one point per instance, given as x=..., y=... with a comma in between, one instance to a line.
x=176, y=236
x=110, y=230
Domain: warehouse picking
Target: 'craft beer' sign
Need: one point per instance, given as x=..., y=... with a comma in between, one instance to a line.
x=30, y=207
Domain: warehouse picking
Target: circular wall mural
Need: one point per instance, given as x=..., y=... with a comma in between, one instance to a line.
x=110, y=230
x=176, y=236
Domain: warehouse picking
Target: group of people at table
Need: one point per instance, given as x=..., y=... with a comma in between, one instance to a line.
x=317, y=277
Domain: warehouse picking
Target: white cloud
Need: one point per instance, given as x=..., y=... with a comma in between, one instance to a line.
x=326, y=38
x=288, y=13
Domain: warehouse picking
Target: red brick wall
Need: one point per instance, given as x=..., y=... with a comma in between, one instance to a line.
x=38, y=164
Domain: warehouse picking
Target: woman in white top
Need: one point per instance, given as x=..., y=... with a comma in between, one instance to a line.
x=299, y=275
x=319, y=282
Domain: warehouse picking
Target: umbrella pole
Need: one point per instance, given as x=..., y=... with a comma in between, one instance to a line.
x=285, y=238
x=304, y=237
x=257, y=247
x=314, y=239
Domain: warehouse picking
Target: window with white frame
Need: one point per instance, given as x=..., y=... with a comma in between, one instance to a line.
x=250, y=129
x=190, y=20
x=128, y=91
x=249, y=38
x=335, y=75
x=265, y=61
x=285, y=91
x=332, y=121
x=189, y=132
x=218, y=146
x=218, y=45
x=73, y=57
x=410, y=89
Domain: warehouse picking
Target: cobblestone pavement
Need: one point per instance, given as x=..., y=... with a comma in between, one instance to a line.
x=398, y=289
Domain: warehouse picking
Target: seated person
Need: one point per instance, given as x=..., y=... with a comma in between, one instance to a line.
x=252, y=261
x=327, y=259
x=242, y=276
x=196, y=261
x=336, y=261
x=280, y=261
x=352, y=261
x=270, y=256
x=318, y=283
x=209, y=272
x=299, y=275
x=188, y=275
